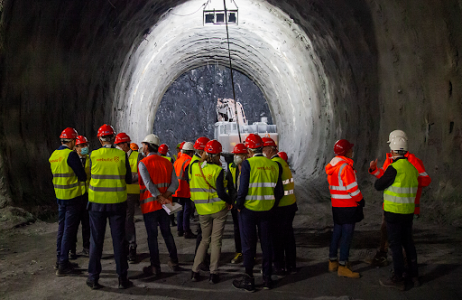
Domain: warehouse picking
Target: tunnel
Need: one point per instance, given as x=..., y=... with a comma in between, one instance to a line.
x=327, y=69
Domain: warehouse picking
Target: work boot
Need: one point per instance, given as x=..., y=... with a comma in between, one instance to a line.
x=93, y=284
x=151, y=270
x=180, y=233
x=132, y=255
x=173, y=265
x=189, y=235
x=124, y=283
x=394, y=282
x=73, y=255
x=268, y=284
x=292, y=270
x=84, y=252
x=238, y=258
x=65, y=269
x=345, y=271
x=333, y=265
x=379, y=260
x=214, y=278
x=247, y=284
x=195, y=276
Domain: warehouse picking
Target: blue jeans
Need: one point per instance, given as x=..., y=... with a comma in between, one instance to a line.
x=342, y=234
x=68, y=224
x=151, y=221
x=183, y=222
x=400, y=236
x=98, y=220
x=249, y=221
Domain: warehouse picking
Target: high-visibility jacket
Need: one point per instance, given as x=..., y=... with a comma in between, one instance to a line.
x=194, y=159
x=424, y=178
x=84, y=185
x=65, y=182
x=160, y=171
x=203, y=189
x=399, y=197
x=264, y=175
x=234, y=172
x=287, y=182
x=133, y=188
x=108, y=170
x=343, y=187
x=167, y=158
x=180, y=167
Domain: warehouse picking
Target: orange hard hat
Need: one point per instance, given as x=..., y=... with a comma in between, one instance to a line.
x=134, y=147
x=283, y=155
x=81, y=140
x=342, y=146
x=253, y=141
x=268, y=142
x=213, y=147
x=122, y=138
x=105, y=130
x=240, y=149
x=163, y=149
x=201, y=142
x=69, y=133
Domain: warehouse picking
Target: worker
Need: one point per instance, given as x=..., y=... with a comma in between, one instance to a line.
x=67, y=172
x=157, y=182
x=182, y=194
x=178, y=151
x=400, y=183
x=232, y=178
x=134, y=147
x=107, y=199
x=380, y=258
x=260, y=190
x=284, y=239
x=83, y=150
x=212, y=204
x=347, y=206
x=163, y=149
x=284, y=156
x=122, y=142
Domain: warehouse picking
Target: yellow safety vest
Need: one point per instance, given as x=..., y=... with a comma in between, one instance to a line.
x=264, y=175
x=194, y=158
x=107, y=183
x=65, y=182
x=133, y=188
x=205, y=195
x=167, y=158
x=399, y=197
x=287, y=182
x=84, y=185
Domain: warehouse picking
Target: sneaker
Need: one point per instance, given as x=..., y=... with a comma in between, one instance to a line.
x=124, y=283
x=173, y=265
x=394, y=282
x=132, y=255
x=151, y=270
x=247, y=284
x=180, y=233
x=268, y=284
x=214, y=278
x=345, y=271
x=195, y=276
x=84, y=252
x=189, y=235
x=65, y=269
x=93, y=284
x=238, y=258
x=333, y=265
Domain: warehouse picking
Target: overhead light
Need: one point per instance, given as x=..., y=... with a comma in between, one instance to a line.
x=214, y=12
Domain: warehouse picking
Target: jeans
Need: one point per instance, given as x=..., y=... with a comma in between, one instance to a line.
x=132, y=201
x=284, y=240
x=84, y=219
x=342, y=234
x=151, y=221
x=68, y=223
x=98, y=220
x=183, y=222
x=249, y=221
x=400, y=236
x=237, y=232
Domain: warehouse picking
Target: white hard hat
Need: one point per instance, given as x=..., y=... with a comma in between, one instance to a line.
x=152, y=139
x=399, y=144
x=188, y=146
x=396, y=133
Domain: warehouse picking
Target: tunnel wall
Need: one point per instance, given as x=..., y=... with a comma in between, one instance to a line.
x=392, y=64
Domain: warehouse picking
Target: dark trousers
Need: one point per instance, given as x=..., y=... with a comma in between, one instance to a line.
x=284, y=240
x=183, y=221
x=151, y=221
x=250, y=221
x=237, y=232
x=130, y=231
x=98, y=220
x=399, y=237
x=343, y=235
x=68, y=222
x=84, y=219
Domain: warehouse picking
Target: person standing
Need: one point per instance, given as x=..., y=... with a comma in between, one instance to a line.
x=67, y=172
x=122, y=141
x=163, y=150
x=347, y=206
x=212, y=204
x=157, y=182
x=400, y=184
x=260, y=190
x=107, y=199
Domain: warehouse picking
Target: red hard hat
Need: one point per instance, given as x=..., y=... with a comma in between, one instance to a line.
x=201, y=142
x=341, y=147
x=213, y=147
x=105, y=130
x=253, y=141
x=69, y=133
x=134, y=147
x=240, y=149
x=283, y=155
x=181, y=145
x=163, y=149
x=268, y=142
x=81, y=140
x=122, y=138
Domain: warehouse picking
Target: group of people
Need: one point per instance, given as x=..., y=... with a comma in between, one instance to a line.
x=257, y=187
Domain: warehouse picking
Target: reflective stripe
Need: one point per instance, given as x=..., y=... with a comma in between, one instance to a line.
x=202, y=190
x=262, y=184
x=337, y=196
x=376, y=172
x=340, y=182
x=207, y=201
x=150, y=199
x=343, y=188
x=70, y=186
x=62, y=175
x=143, y=190
x=355, y=193
x=267, y=197
x=402, y=190
x=107, y=176
x=290, y=192
x=288, y=181
x=162, y=185
x=181, y=177
x=423, y=174
x=107, y=189
x=395, y=199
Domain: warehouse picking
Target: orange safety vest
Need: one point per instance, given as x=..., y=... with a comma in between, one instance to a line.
x=160, y=171
x=424, y=179
x=343, y=187
x=180, y=170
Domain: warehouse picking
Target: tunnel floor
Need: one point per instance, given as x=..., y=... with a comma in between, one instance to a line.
x=27, y=257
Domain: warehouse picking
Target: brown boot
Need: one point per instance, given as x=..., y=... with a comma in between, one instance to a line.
x=333, y=265
x=345, y=271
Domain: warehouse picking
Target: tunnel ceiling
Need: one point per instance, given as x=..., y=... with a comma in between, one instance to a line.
x=329, y=69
